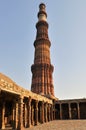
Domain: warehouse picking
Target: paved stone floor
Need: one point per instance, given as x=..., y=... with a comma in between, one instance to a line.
x=62, y=125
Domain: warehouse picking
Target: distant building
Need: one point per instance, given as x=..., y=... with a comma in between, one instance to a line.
x=20, y=108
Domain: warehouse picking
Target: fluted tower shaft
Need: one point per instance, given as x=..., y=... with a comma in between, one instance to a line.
x=42, y=81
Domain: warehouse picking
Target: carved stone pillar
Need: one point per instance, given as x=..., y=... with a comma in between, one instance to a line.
x=36, y=113
x=39, y=112
x=48, y=112
x=3, y=115
x=32, y=115
x=42, y=113
x=46, y=119
x=0, y=116
x=21, y=125
x=13, y=115
x=60, y=111
x=78, y=108
x=29, y=112
x=70, y=111
x=13, y=112
x=54, y=112
x=16, y=115
x=25, y=114
x=51, y=112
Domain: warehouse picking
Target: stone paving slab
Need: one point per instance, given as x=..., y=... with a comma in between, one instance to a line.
x=61, y=125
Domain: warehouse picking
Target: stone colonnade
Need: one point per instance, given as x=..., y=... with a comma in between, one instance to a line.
x=70, y=110
x=24, y=112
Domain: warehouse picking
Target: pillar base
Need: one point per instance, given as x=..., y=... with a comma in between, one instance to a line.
x=3, y=128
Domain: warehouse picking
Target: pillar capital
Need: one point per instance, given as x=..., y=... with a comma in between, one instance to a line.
x=43, y=103
x=46, y=103
x=36, y=104
x=29, y=101
x=20, y=99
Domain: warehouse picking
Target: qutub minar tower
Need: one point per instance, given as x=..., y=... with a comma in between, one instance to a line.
x=21, y=108
x=42, y=82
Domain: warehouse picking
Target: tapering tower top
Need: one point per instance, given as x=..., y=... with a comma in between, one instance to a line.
x=42, y=15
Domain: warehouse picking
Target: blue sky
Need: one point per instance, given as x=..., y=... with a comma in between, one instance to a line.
x=67, y=32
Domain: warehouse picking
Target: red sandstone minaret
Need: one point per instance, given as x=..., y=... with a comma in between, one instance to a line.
x=42, y=82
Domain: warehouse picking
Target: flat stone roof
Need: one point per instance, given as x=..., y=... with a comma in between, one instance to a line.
x=71, y=100
x=6, y=84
